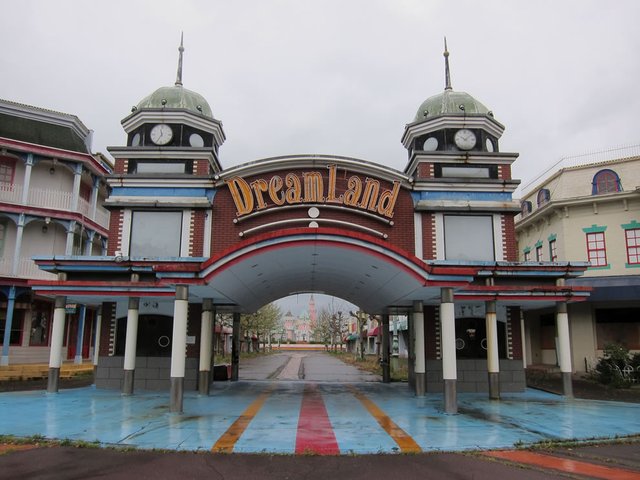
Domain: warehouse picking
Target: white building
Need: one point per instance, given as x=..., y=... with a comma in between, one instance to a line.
x=587, y=208
x=51, y=194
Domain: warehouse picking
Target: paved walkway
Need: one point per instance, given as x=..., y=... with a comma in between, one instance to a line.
x=310, y=416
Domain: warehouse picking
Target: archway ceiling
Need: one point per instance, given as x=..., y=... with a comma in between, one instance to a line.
x=372, y=282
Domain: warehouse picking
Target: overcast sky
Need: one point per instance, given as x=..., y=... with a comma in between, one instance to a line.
x=337, y=77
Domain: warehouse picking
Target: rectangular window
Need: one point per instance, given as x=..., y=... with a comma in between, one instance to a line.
x=156, y=234
x=40, y=324
x=553, y=251
x=15, y=337
x=468, y=237
x=7, y=169
x=596, y=249
x=618, y=326
x=632, y=237
x=527, y=255
x=3, y=236
x=539, y=253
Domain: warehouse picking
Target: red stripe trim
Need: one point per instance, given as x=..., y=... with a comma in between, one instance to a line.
x=315, y=433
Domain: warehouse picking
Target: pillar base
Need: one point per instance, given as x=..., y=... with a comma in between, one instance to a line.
x=4, y=361
x=567, y=384
x=494, y=385
x=420, y=381
x=204, y=382
x=177, y=394
x=386, y=372
x=450, y=396
x=53, y=380
x=127, y=382
x=77, y=360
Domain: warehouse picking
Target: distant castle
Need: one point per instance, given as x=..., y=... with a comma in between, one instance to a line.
x=300, y=328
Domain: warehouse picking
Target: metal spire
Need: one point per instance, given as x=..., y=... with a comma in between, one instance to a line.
x=180, y=49
x=447, y=74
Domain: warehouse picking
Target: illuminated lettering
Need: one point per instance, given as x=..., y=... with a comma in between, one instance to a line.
x=370, y=194
x=260, y=186
x=388, y=200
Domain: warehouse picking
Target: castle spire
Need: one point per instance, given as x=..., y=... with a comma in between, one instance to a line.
x=447, y=74
x=180, y=49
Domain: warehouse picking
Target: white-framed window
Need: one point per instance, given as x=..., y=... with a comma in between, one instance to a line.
x=155, y=234
x=469, y=237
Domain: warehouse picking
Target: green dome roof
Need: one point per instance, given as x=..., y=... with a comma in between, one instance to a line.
x=448, y=103
x=177, y=97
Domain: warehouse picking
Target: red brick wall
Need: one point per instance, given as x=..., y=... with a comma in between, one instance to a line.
x=107, y=326
x=196, y=234
x=425, y=170
x=121, y=166
x=200, y=167
x=504, y=172
x=225, y=233
x=428, y=236
x=515, y=340
x=509, y=245
x=432, y=332
x=115, y=231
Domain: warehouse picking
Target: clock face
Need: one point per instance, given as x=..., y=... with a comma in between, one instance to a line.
x=161, y=134
x=465, y=139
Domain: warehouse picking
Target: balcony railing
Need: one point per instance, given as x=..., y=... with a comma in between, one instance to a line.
x=49, y=198
x=26, y=268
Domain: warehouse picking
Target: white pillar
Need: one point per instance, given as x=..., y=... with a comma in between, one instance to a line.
x=493, y=359
x=71, y=230
x=564, y=346
x=96, y=343
x=523, y=339
x=27, y=179
x=130, y=344
x=206, y=340
x=420, y=355
x=75, y=194
x=57, y=336
x=80, y=334
x=18, y=246
x=448, y=340
x=179, y=347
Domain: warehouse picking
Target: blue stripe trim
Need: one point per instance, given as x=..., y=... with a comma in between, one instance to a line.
x=163, y=192
x=456, y=195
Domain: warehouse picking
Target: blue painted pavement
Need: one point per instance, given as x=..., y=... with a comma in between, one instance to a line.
x=143, y=420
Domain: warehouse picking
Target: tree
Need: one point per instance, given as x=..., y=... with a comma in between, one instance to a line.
x=330, y=326
x=261, y=323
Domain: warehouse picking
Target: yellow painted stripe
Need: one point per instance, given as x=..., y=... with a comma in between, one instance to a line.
x=229, y=438
x=406, y=443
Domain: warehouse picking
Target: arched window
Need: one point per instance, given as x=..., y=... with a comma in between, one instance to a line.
x=543, y=196
x=525, y=208
x=606, y=181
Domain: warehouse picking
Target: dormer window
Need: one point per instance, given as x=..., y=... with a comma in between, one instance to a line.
x=525, y=208
x=605, y=181
x=543, y=196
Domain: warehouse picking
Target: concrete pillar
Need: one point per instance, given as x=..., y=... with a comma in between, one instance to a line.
x=448, y=340
x=386, y=370
x=27, y=179
x=179, y=347
x=57, y=337
x=420, y=352
x=6, y=341
x=71, y=230
x=235, y=347
x=82, y=315
x=131, y=341
x=96, y=343
x=493, y=359
x=564, y=347
x=17, y=249
x=206, y=341
x=75, y=194
x=95, y=188
x=523, y=340
x=411, y=353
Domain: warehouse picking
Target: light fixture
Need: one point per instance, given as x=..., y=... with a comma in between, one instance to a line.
x=52, y=170
x=45, y=229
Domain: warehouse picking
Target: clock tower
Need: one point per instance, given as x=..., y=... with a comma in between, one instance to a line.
x=161, y=188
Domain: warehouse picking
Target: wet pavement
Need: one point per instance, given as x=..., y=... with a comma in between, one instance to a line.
x=310, y=410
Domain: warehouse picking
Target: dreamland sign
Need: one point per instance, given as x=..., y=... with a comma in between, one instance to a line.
x=311, y=188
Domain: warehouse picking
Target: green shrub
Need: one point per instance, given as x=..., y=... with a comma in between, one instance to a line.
x=609, y=370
